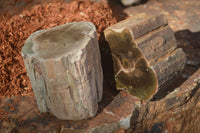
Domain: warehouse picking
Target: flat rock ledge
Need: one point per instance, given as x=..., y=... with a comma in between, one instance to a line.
x=170, y=114
x=64, y=66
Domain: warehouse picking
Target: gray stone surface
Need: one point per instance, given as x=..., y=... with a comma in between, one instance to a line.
x=64, y=67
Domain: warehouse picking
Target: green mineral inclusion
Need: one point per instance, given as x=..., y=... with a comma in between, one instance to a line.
x=132, y=72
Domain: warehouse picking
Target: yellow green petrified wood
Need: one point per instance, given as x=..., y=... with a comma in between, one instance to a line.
x=145, y=54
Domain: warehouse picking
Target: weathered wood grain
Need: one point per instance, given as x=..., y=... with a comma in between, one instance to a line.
x=145, y=54
x=64, y=66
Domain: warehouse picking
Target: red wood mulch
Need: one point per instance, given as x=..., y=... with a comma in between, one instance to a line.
x=14, y=32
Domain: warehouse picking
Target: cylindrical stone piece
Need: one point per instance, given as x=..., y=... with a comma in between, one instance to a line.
x=64, y=66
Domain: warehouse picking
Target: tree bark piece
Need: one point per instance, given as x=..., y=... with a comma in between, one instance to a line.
x=64, y=66
x=145, y=54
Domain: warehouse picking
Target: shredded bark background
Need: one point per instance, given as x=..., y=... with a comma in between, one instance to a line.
x=14, y=32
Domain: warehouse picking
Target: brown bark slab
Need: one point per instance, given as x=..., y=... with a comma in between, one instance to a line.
x=63, y=64
x=145, y=54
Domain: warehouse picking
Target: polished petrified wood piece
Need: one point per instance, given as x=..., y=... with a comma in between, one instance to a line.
x=145, y=54
x=64, y=66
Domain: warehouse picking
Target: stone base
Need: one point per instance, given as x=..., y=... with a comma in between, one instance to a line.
x=176, y=112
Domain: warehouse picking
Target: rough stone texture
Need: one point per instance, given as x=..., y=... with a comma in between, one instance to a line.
x=183, y=14
x=64, y=67
x=144, y=54
x=177, y=112
x=170, y=114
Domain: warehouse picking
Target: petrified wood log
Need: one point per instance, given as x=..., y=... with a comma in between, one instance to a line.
x=145, y=54
x=63, y=64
